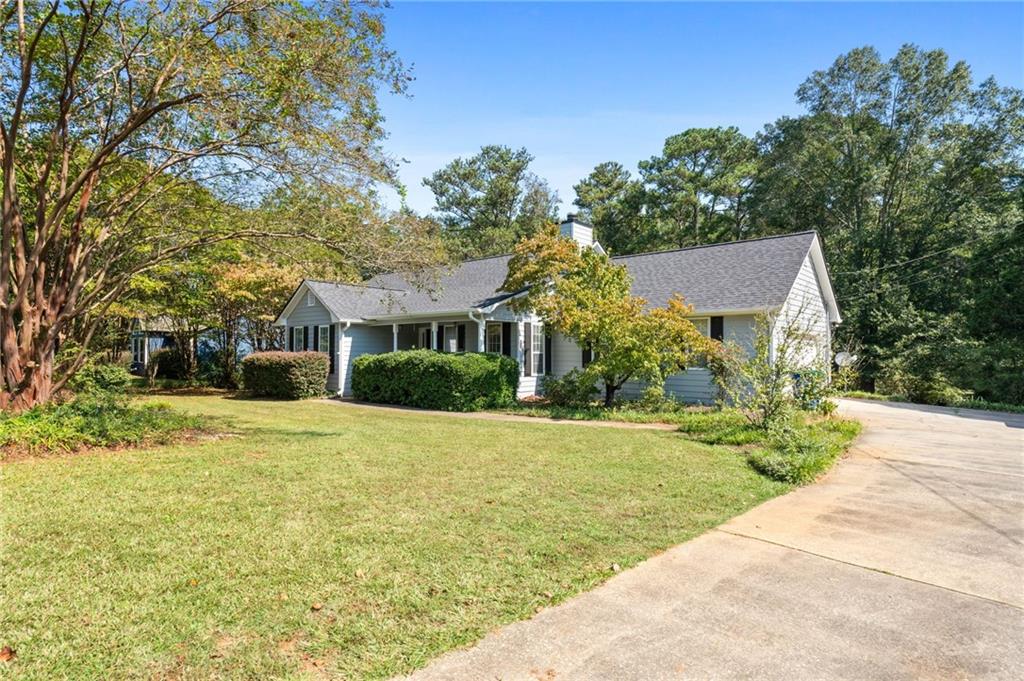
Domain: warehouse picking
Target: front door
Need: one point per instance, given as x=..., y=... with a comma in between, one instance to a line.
x=425, y=338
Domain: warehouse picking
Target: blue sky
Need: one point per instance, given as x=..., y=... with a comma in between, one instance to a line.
x=582, y=83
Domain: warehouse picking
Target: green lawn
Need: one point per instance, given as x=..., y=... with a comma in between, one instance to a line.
x=412, y=533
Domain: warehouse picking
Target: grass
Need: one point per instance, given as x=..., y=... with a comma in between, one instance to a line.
x=799, y=452
x=712, y=426
x=796, y=452
x=413, y=533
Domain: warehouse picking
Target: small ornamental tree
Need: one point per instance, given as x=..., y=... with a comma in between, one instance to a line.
x=582, y=294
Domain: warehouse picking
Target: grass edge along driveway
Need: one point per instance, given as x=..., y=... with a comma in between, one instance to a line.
x=348, y=542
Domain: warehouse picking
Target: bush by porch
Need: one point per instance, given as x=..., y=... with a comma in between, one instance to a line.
x=433, y=380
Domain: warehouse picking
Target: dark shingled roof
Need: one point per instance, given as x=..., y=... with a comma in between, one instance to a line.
x=738, y=275
x=472, y=284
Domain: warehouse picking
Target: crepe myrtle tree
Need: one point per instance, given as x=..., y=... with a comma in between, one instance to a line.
x=119, y=119
x=582, y=294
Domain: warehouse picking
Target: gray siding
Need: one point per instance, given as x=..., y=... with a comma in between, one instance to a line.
x=309, y=316
x=692, y=386
x=565, y=355
x=805, y=311
x=359, y=340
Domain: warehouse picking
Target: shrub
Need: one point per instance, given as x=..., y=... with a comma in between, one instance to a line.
x=812, y=390
x=287, y=375
x=759, y=384
x=169, y=363
x=793, y=455
x=435, y=380
x=574, y=389
x=929, y=387
x=846, y=379
x=101, y=378
x=92, y=420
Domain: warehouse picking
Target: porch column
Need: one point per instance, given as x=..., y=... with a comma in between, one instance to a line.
x=394, y=338
x=481, y=335
x=145, y=350
x=519, y=347
x=433, y=335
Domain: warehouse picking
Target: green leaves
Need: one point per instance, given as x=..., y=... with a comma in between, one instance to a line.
x=582, y=294
x=489, y=201
x=436, y=380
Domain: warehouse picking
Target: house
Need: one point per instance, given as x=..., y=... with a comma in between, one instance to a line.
x=147, y=336
x=466, y=310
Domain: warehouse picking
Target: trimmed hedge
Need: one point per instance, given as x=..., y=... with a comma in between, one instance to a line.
x=436, y=380
x=288, y=375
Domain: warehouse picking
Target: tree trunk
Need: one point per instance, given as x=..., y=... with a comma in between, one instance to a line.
x=609, y=393
x=229, y=353
x=38, y=387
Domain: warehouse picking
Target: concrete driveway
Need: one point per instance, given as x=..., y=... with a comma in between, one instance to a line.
x=905, y=562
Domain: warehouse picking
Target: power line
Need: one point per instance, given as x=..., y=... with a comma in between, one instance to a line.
x=913, y=282
x=869, y=270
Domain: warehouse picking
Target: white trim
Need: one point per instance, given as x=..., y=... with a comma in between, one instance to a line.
x=706, y=319
x=488, y=327
x=537, y=333
x=824, y=281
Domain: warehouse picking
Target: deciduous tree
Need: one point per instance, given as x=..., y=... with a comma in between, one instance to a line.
x=109, y=108
x=582, y=294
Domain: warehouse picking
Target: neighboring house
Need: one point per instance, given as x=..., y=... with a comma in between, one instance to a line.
x=464, y=310
x=148, y=336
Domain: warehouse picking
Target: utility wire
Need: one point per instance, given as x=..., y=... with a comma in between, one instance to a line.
x=914, y=282
x=869, y=270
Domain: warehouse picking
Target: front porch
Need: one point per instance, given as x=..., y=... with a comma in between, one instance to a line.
x=522, y=338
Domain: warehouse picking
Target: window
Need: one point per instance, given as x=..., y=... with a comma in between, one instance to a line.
x=310, y=299
x=494, y=338
x=323, y=340
x=537, y=340
x=139, y=349
x=298, y=338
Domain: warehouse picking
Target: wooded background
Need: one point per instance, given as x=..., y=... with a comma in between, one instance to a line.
x=191, y=162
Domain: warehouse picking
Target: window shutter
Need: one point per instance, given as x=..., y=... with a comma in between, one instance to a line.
x=460, y=342
x=305, y=337
x=291, y=339
x=331, y=343
x=547, y=354
x=588, y=357
x=440, y=337
x=506, y=339
x=316, y=338
x=527, y=349
x=718, y=328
